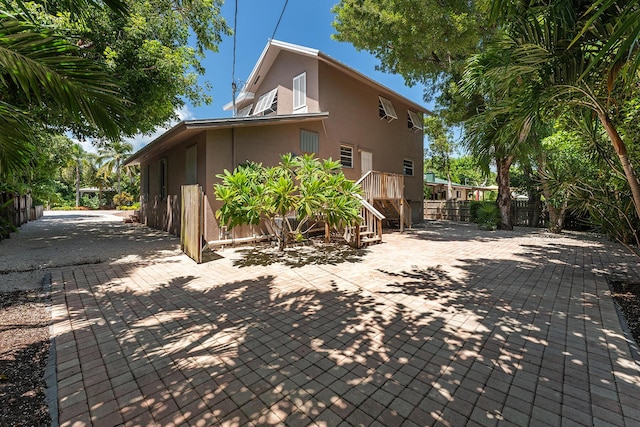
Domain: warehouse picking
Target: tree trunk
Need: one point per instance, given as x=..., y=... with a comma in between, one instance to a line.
x=621, y=150
x=77, y=186
x=504, y=192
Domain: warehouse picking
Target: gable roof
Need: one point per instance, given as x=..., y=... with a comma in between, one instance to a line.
x=188, y=128
x=274, y=47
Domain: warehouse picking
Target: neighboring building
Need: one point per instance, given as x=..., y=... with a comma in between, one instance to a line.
x=440, y=189
x=297, y=100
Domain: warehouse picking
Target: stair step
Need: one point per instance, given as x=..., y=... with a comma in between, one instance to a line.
x=366, y=240
x=367, y=233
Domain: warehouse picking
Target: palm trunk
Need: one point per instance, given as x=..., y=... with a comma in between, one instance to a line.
x=504, y=192
x=621, y=151
x=77, y=186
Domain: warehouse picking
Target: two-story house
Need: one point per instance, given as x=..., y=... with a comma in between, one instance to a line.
x=296, y=100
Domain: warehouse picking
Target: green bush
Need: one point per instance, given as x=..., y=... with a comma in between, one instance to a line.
x=90, y=202
x=123, y=200
x=485, y=214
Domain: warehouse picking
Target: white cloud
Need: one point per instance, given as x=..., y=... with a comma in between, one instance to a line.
x=139, y=141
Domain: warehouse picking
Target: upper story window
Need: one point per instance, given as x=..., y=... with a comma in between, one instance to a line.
x=246, y=111
x=414, y=120
x=300, y=93
x=267, y=103
x=309, y=141
x=385, y=109
x=407, y=167
x=346, y=156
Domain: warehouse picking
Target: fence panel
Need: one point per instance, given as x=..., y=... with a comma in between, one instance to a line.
x=192, y=221
x=524, y=213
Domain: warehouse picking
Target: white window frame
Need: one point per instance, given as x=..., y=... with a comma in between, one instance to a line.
x=386, y=109
x=245, y=112
x=300, y=93
x=415, y=122
x=350, y=155
x=266, y=102
x=408, y=165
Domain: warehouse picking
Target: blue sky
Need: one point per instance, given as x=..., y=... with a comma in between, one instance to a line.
x=305, y=22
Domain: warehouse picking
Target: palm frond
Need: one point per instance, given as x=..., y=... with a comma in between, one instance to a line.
x=47, y=68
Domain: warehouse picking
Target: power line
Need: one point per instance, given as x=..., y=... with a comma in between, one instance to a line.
x=279, y=19
x=234, y=87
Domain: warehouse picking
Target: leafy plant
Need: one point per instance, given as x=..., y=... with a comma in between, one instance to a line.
x=291, y=198
x=485, y=214
x=122, y=199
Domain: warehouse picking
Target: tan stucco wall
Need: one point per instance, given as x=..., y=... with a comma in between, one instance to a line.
x=354, y=120
x=281, y=74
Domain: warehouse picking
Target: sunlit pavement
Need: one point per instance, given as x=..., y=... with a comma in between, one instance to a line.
x=443, y=325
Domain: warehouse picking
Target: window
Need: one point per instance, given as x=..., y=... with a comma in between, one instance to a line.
x=162, y=173
x=300, y=93
x=246, y=111
x=267, y=103
x=414, y=120
x=407, y=167
x=346, y=156
x=385, y=109
x=309, y=141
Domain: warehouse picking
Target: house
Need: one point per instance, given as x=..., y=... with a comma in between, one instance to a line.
x=296, y=100
x=441, y=189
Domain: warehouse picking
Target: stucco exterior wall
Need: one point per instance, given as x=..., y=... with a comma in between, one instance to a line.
x=354, y=120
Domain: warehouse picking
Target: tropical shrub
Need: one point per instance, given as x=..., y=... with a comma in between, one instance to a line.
x=291, y=198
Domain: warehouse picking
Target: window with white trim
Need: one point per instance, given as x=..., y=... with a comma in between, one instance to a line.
x=385, y=109
x=414, y=120
x=267, y=103
x=346, y=156
x=246, y=111
x=309, y=141
x=300, y=93
x=162, y=174
x=407, y=167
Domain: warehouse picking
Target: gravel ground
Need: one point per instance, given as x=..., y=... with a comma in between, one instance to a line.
x=58, y=240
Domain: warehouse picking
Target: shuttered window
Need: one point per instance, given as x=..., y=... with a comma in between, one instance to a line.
x=267, y=103
x=309, y=141
x=300, y=92
x=346, y=156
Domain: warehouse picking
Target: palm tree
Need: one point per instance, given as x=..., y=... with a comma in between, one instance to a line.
x=78, y=161
x=42, y=68
x=112, y=156
x=579, y=54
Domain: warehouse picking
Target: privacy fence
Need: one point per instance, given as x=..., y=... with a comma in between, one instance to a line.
x=16, y=210
x=524, y=213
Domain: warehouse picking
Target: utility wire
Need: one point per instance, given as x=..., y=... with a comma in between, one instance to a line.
x=234, y=87
x=279, y=19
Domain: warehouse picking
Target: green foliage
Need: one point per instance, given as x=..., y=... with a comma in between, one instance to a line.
x=91, y=202
x=485, y=214
x=291, y=197
x=122, y=199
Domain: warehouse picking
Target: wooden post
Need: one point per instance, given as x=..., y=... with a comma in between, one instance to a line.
x=402, y=215
x=358, y=236
x=327, y=233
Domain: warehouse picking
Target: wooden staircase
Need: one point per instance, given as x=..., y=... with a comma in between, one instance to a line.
x=369, y=230
x=385, y=191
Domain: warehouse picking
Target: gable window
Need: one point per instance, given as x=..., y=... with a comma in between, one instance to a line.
x=267, y=103
x=414, y=120
x=346, y=156
x=407, y=167
x=162, y=174
x=385, y=109
x=309, y=141
x=246, y=111
x=300, y=93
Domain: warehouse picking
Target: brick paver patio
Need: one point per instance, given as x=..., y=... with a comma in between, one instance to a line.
x=444, y=325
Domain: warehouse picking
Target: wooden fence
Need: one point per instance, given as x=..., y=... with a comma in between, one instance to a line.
x=524, y=213
x=192, y=221
x=16, y=210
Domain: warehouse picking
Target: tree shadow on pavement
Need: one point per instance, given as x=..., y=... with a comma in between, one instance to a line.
x=299, y=256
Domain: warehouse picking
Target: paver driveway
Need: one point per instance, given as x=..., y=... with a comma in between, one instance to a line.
x=444, y=325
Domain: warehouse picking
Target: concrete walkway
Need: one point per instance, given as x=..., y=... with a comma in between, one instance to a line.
x=445, y=325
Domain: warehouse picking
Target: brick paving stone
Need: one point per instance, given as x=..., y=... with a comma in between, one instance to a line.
x=503, y=328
